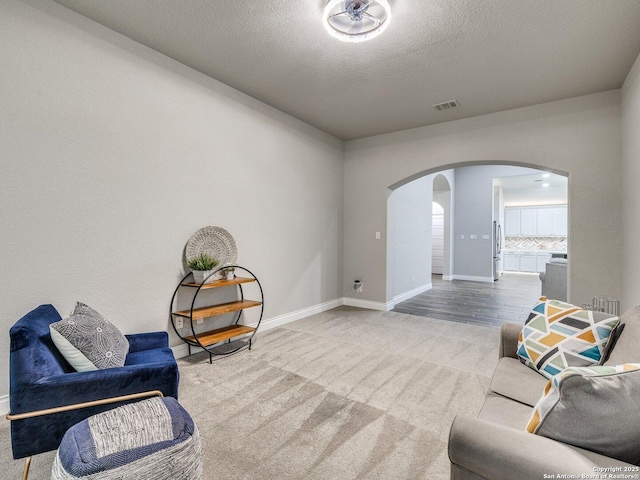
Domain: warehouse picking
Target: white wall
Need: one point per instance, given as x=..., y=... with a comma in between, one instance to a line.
x=539, y=196
x=474, y=199
x=409, y=233
x=630, y=183
x=579, y=136
x=409, y=237
x=114, y=155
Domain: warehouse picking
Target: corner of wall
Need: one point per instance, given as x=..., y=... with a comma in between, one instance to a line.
x=630, y=172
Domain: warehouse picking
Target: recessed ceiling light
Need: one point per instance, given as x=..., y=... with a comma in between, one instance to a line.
x=546, y=175
x=356, y=20
x=545, y=184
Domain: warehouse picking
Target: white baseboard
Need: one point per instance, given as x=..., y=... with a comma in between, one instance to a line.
x=182, y=350
x=4, y=404
x=471, y=278
x=412, y=293
x=356, y=302
x=298, y=314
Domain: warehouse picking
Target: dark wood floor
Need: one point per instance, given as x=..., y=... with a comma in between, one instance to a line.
x=510, y=299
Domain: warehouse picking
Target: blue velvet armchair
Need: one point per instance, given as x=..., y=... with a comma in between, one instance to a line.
x=40, y=378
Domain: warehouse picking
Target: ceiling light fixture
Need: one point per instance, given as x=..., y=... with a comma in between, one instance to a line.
x=356, y=20
x=545, y=184
x=546, y=175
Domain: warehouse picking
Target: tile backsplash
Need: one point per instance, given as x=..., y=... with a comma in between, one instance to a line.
x=536, y=243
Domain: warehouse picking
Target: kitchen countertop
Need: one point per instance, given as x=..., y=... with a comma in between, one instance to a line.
x=514, y=250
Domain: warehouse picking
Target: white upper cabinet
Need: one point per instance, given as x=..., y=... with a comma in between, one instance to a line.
x=560, y=220
x=536, y=221
x=512, y=222
x=545, y=222
x=529, y=222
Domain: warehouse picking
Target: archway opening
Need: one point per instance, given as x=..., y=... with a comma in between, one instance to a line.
x=437, y=239
x=467, y=190
x=442, y=244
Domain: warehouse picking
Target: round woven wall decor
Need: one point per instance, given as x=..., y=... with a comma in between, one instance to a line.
x=214, y=241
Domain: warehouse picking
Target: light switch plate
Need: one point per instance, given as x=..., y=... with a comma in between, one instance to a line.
x=473, y=237
x=485, y=237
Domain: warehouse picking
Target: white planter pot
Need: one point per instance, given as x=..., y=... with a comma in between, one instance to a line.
x=199, y=276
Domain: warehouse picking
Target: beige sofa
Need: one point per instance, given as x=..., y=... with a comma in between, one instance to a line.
x=496, y=446
x=554, y=279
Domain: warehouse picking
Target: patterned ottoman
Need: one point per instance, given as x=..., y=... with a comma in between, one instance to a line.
x=152, y=439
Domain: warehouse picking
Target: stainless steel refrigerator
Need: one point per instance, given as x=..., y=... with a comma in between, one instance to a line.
x=497, y=249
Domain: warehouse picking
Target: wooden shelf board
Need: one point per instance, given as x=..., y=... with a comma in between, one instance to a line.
x=221, y=334
x=219, y=309
x=220, y=283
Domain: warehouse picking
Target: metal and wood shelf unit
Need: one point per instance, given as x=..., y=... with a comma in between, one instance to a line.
x=219, y=341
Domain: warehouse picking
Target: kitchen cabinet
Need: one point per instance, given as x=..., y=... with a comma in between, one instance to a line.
x=525, y=261
x=529, y=222
x=560, y=220
x=548, y=221
x=552, y=221
x=512, y=222
x=511, y=261
x=545, y=222
x=528, y=262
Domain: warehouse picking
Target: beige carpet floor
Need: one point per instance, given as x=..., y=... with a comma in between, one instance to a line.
x=345, y=394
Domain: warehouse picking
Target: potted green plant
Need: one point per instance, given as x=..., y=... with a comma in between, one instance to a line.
x=202, y=267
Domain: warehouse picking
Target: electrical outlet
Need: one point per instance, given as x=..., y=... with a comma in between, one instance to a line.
x=179, y=322
x=199, y=321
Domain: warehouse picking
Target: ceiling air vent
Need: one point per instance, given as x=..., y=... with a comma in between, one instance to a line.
x=446, y=105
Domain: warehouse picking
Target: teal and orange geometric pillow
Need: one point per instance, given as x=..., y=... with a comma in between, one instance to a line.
x=558, y=335
x=595, y=408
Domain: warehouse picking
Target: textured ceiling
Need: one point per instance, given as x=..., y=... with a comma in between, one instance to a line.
x=490, y=55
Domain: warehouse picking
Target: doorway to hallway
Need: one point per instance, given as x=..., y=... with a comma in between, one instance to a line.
x=437, y=239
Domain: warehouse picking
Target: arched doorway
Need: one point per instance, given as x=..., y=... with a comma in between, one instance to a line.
x=471, y=218
x=437, y=239
x=442, y=198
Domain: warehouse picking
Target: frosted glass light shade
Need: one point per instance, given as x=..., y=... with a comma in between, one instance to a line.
x=356, y=20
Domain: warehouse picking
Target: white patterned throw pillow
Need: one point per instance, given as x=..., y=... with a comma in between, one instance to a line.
x=88, y=341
